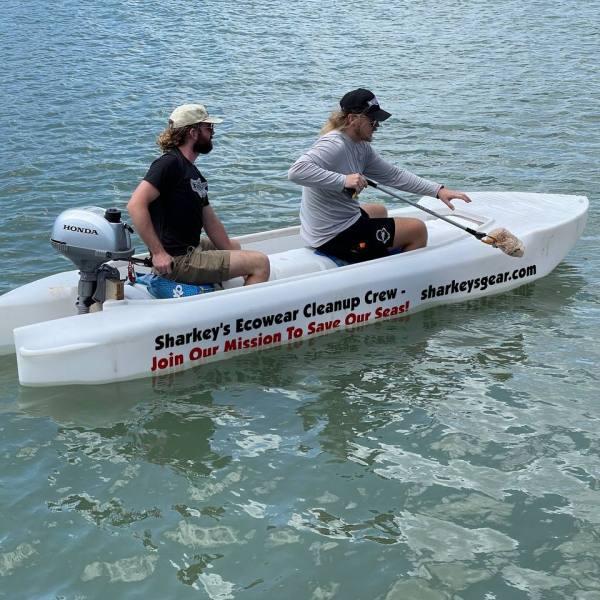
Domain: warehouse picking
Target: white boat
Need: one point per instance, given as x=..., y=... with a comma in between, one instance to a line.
x=307, y=295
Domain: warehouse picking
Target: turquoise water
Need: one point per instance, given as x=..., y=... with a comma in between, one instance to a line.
x=450, y=455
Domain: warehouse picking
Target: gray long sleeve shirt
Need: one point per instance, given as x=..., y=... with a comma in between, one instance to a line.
x=326, y=209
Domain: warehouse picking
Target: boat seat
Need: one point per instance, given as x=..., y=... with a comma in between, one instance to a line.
x=299, y=261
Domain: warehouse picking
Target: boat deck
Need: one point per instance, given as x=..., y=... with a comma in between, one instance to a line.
x=289, y=257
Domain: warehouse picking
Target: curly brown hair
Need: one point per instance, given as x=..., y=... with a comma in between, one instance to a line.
x=173, y=137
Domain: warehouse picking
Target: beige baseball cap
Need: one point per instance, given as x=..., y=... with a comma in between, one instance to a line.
x=190, y=114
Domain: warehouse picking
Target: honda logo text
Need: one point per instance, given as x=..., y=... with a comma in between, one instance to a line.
x=78, y=229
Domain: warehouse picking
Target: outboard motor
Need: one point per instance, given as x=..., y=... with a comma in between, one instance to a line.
x=90, y=237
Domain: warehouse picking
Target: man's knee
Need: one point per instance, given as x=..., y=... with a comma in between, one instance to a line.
x=411, y=234
x=249, y=263
x=375, y=211
x=418, y=234
x=421, y=231
x=263, y=266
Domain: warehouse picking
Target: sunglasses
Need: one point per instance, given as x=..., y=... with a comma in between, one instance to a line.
x=373, y=122
x=209, y=126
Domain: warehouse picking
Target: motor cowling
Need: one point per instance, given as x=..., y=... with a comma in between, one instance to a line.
x=90, y=237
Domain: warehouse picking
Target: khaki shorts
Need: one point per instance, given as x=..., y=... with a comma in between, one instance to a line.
x=202, y=264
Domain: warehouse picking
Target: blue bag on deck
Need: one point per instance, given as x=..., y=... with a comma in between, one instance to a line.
x=162, y=288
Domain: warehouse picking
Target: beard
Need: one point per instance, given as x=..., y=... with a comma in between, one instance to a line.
x=203, y=146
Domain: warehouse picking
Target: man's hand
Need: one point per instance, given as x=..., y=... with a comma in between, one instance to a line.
x=356, y=181
x=162, y=262
x=445, y=195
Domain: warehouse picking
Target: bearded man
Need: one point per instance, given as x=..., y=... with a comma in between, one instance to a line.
x=170, y=207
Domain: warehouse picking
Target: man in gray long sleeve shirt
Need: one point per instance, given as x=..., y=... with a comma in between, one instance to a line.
x=332, y=219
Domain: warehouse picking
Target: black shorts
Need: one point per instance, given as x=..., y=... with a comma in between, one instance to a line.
x=364, y=240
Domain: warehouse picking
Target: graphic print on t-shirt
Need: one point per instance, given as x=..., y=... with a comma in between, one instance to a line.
x=200, y=187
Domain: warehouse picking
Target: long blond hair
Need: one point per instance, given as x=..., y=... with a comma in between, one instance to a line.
x=337, y=121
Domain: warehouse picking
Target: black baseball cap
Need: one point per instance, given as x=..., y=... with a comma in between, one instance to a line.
x=364, y=102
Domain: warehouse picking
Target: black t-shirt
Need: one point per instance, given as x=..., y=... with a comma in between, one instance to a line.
x=177, y=213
